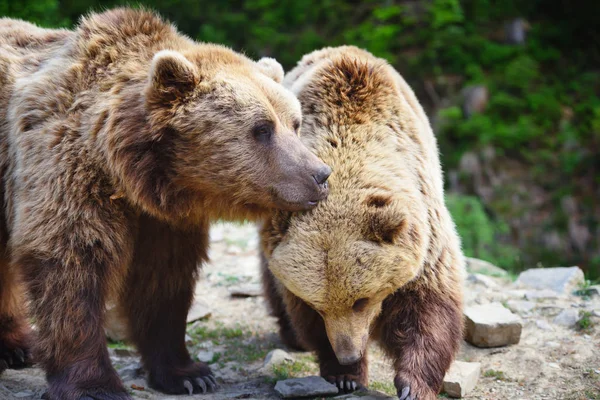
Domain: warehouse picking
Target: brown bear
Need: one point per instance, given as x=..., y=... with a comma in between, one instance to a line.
x=119, y=142
x=380, y=258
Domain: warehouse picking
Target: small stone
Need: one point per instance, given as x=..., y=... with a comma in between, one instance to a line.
x=24, y=394
x=543, y=325
x=552, y=345
x=561, y=280
x=246, y=290
x=492, y=325
x=543, y=294
x=593, y=290
x=115, y=326
x=483, y=280
x=205, y=356
x=461, y=378
x=274, y=358
x=520, y=306
x=125, y=352
x=130, y=372
x=365, y=394
x=199, y=310
x=554, y=365
x=483, y=267
x=568, y=318
x=596, y=313
x=305, y=387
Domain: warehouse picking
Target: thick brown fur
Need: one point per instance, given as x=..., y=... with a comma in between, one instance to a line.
x=380, y=258
x=119, y=142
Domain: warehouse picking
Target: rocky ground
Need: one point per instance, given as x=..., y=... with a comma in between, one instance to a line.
x=557, y=357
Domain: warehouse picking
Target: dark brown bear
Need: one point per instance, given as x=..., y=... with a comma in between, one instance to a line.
x=119, y=142
x=379, y=259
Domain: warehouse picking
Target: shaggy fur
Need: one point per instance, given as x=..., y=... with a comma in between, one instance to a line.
x=119, y=142
x=380, y=258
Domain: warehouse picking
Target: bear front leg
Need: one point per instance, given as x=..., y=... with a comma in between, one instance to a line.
x=14, y=330
x=421, y=331
x=310, y=330
x=277, y=306
x=160, y=290
x=68, y=299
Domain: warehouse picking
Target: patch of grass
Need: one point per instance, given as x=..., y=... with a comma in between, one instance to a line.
x=385, y=387
x=585, y=323
x=584, y=290
x=498, y=375
x=119, y=344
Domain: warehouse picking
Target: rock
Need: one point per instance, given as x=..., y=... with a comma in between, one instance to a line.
x=492, y=325
x=24, y=394
x=520, y=306
x=132, y=371
x=483, y=267
x=305, y=387
x=365, y=394
x=561, y=280
x=482, y=280
x=515, y=31
x=461, y=378
x=475, y=100
x=246, y=290
x=205, y=356
x=115, y=326
x=568, y=318
x=593, y=290
x=199, y=310
x=543, y=325
x=125, y=352
x=274, y=358
x=544, y=294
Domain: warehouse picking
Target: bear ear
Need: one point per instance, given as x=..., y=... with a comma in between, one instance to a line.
x=271, y=68
x=172, y=74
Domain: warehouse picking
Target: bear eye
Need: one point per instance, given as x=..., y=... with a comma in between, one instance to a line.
x=263, y=132
x=296, y=126
x=360, y=304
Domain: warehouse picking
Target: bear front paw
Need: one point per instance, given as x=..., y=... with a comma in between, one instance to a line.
x=345, y=383
x=15, y=353
x=412, y=389
x=191, y=379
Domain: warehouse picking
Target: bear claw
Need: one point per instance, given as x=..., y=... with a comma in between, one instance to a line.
x=345, y=384
x=202, y=385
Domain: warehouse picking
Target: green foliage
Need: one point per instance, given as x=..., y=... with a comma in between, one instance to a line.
x=479, y=233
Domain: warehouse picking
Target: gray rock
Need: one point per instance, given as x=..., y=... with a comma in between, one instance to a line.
x=199, y=310
x=115, y=326
x=483, y=267
x=543, y=325
x=305, y=387
x=24, y=394
x=365, y=394
x=246, y=290
x=461, y=378
x=274, y=358
x=121, y=352
x=129, y=372
x=492, y=325
x=205, y=356
x=561, y=280
x=483, y=280
x=543, y=294
x=520, y=306
x=568, y=318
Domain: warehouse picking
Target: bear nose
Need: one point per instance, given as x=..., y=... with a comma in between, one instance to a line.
x=322, y=175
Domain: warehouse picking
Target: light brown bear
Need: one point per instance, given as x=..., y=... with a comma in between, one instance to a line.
x=119, y=142
x=380, y=258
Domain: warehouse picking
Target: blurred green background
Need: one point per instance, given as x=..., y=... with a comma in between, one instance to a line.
x=512, y=89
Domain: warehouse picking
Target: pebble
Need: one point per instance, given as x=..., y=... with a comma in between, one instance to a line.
x=205, y=356
x=246, y=290
x=305, y=387
x=199, y=310
x=543, y=325
x=483, y=267
x=567, y=318
x=461, y=378
x=520, y=306
x=492, y=325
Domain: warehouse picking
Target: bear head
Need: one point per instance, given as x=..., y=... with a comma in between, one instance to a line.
x=223, y=138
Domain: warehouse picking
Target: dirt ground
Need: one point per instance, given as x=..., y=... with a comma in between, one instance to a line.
x=550, y=362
